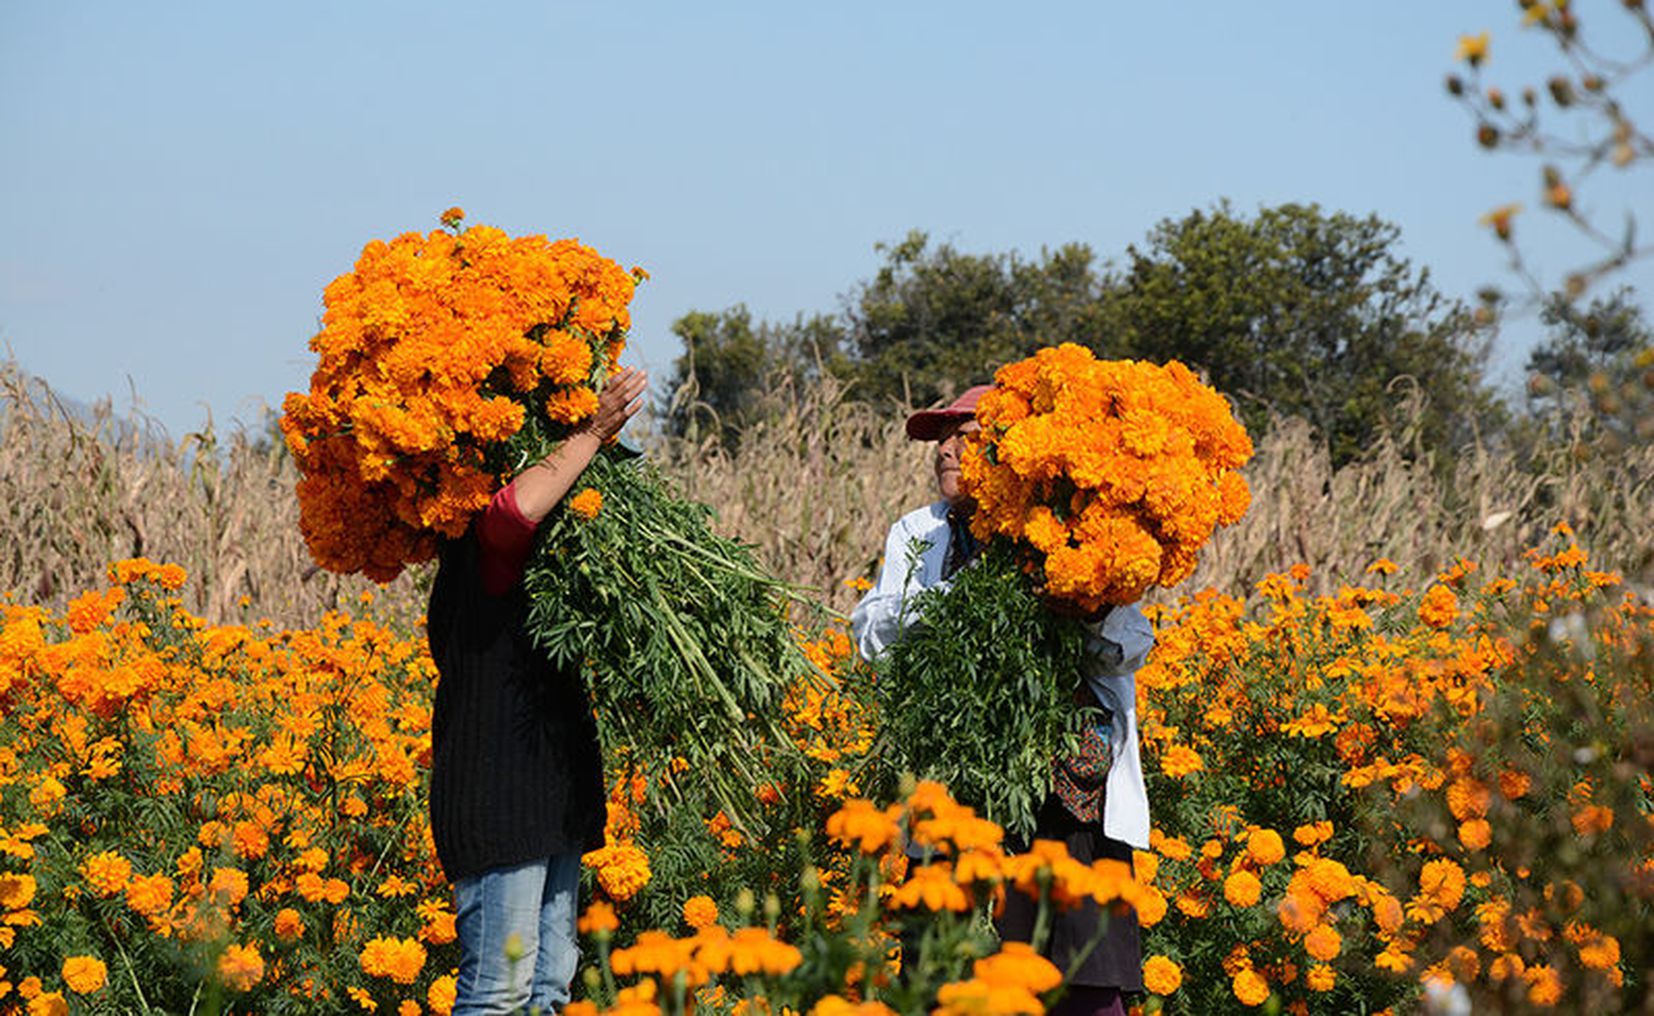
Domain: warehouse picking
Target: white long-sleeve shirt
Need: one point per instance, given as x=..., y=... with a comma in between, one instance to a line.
x=913, y=554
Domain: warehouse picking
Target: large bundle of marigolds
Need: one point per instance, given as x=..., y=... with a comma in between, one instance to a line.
x=1109, y=474
x=436, y=352
x=450, y=361
x=1092, y=480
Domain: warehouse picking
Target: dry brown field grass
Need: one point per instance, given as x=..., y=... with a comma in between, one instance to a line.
x=813, y=491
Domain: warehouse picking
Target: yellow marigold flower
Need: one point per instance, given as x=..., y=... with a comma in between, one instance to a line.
x=16, y=891
x=1242, y=888
x=1321, y=977
x=1324, y=943
x=1264, y=846
x=587, y=503
x=52, y=1003
x=1441, y=886
x=700, y=911
x=1383, y=566
x=599, y=918
x=1440, y=606
x=1250, y=987
x=106, y=873
x=622, y=870
x=1180, y=760
x=1544, y=985
x=859, y=824
x=1475, y=834
x=931, y=886
x=400, y=959
x=1313, y=834
x=976, y=997
x=1161, y=975
x=84, y=974
x=240, y=967
x=149, y=894
x=288, y=924
x=1018, y=964
x=442, y=995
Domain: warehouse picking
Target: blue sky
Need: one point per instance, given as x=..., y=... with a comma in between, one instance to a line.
x=180, y=180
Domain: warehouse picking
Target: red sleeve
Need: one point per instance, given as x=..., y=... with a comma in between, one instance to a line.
x=505, y=535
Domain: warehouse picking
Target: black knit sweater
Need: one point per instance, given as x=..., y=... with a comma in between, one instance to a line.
x=516, y=773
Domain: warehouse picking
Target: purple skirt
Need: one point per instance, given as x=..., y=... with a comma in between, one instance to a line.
x=1116, y=961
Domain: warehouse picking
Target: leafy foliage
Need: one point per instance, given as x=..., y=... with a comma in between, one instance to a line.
x=686, y=638
x=979, y=691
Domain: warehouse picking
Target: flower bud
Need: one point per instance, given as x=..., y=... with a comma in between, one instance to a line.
x=1562, y=92
x=1487, y=135
x=1529, y=97
x=1496, y=99
x=772, y=907
x=514, y=950
x=1592, y=83
x=744, y=902
x=1454, y=85
x=592, y=980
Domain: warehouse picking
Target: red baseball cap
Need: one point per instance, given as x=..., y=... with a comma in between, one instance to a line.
x=928, y=424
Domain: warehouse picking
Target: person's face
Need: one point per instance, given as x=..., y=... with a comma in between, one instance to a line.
x=948, y=449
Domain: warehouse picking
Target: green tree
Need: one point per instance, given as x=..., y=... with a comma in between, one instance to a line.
x=1300, y=312
x=933, y=320
x=1598, y=359
x=732, y=371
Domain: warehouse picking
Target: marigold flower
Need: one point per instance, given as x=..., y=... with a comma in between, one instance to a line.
x=1324, y=943
x=442, y=995
x=700, y=911
x=106, y=873
x=400, y=959
x=1242, y=888
x=288, y=924
x=1161, y=975
x=84, y=974
x=1180, y=760
x=587, y=503
x=1544, y=985
x=1475, y=834
x=1264, y=846
x=599, y=918
x=52, y=1003
x=1321, y=977
x=858, y=823
x=240, y=967
x=1250, y=987
x=149, y=894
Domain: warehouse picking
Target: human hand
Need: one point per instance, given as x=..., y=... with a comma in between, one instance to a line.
x=620, y=399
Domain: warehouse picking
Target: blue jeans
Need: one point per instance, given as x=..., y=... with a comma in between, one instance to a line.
x=534, y=903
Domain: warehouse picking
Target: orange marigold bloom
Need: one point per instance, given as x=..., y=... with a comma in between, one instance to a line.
x=1593, y=819
x=1161, y=975
x=149, y=894
x=1264, y=846
x=442, y=995
x=1544, y=985
x=84, y=974
x=599, y=918
x=1180, y=760
x=288, y=924
x=1250, y=987
x=1313, y=834
x=1475, y=834
x=1324, y=943
x=106, y=873
x=1514, y=784
x=1440, y=606
x=400, y=959
x=700, y=911
x=587, y=503
x=240, y=967
x=858, y=823
x=1242, y=888
x=1441, y=887
x=52, y=1003
x=1321, y=977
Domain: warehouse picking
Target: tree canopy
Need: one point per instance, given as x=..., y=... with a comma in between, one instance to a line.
x=1293, y=311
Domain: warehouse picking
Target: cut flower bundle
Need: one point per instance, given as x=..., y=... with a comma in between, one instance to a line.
x=450, y=361
x=1092, y=481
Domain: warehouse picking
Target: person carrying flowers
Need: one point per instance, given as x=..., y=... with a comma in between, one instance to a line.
x=1097, y=806
x=516, y=774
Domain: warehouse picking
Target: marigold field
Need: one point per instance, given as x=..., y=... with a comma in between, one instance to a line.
x=1418, y=781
